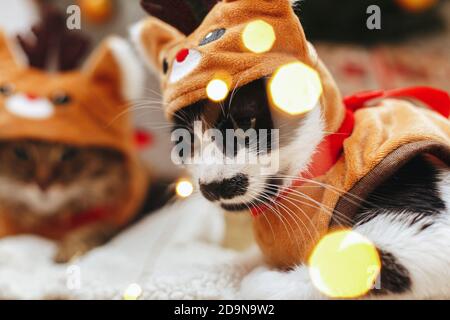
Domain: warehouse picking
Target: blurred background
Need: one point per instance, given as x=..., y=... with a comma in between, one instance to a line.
x=411, y=48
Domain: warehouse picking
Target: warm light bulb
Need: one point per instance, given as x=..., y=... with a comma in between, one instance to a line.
x=416, y=5
x=184, y=188
x=258, y=36
x=133, y=292
x=344, y=265
x=97, y=11
x=217, y=90
x=295, y=88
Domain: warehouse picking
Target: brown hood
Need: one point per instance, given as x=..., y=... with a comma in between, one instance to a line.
x=160, y=44
x=95, y=116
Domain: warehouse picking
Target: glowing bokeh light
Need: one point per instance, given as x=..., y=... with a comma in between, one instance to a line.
x=132, y=292
x=416, y=5
x=184, y=188
x=217, y=90
x=258, y=36
x=344, y=265
x=295, y=88
x=97, y=11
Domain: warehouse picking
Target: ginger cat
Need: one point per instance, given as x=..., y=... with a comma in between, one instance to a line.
x=69, y=169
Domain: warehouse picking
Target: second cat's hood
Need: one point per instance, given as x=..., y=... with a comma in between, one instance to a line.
x=85, y=108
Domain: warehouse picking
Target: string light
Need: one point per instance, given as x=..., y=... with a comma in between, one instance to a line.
x=295, y=88
x=184, y=188
x=132, y=292
x=217, y=90
x=344, y=265
x=258, y=36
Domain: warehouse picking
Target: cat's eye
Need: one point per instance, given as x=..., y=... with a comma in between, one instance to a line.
x=6, y=89
x=61, y=98
x=69, y=154
x=21, y=154
x=244, y=124
x=165, y=66
x=212, y=36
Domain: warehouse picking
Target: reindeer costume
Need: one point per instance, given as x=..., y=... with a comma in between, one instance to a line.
x=99, y=93
x=366, y=147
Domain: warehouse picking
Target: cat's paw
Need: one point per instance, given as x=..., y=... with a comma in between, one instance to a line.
x=70, y=249
x=83, y=240
x=265, y=284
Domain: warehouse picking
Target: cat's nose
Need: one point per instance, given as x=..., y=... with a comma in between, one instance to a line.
x=44, y=184
x=225, y=189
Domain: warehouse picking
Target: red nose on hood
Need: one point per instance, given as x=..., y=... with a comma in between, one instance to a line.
x=32, y=96
x=182, y=55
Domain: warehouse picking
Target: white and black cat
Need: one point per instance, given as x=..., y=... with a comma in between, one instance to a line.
x=407, y=217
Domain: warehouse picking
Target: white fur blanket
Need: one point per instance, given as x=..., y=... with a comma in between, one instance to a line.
x=172, y=254
x=175, y=253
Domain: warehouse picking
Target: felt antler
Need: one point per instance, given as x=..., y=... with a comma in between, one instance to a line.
x=185, y=15
x=73, y=47
x=37, y=48
x=52, y=40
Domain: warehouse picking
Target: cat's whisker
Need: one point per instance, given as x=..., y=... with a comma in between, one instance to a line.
x=283, y=221
x=315, y=204
x=290, y=212
x=352, y=198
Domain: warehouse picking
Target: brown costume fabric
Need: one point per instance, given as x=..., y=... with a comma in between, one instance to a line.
x=384, y=139
x=90, y=120
x=379, y=131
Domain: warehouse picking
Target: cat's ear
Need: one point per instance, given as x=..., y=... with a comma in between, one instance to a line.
x=10, y=55
x=114, y=64
x=152, y=36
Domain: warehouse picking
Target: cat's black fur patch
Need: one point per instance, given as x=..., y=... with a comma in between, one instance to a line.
x=267, y=197
x=244, y=104
x=394, y=277
x=413, y=190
